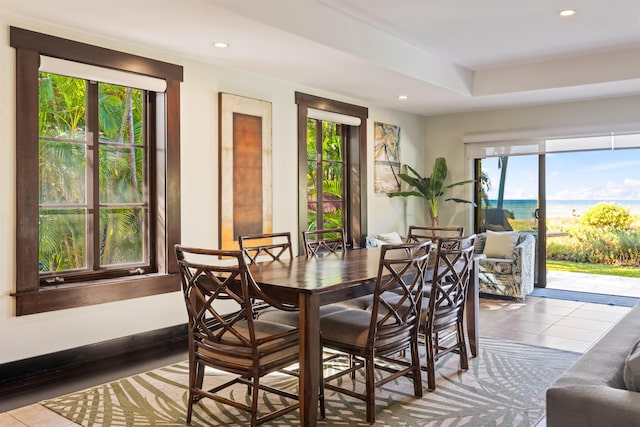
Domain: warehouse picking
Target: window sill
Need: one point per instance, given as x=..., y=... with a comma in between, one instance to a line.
x=60, y=297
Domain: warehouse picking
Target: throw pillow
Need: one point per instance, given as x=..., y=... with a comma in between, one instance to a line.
x=500, y=244
x=632, y=369
x=392, y=238
x=373, y=242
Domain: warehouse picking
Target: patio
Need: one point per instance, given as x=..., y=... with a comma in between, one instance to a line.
x=595, y=283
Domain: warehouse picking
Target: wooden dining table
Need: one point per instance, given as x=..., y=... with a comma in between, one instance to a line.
x=310, y=283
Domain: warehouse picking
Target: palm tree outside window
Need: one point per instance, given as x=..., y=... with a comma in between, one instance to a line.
x=93, y=179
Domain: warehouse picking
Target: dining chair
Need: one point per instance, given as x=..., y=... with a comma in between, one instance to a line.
x=269, y=246
x=329, y=240
x=419, y=233
x=442, y=323
x=376, y=337
x=232, y=342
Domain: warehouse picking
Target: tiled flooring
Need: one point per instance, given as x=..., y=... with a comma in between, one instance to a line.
x=565, y=325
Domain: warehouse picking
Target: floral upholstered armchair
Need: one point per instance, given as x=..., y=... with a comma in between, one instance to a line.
x=508, y=269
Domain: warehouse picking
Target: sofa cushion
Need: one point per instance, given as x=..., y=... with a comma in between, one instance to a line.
x=496, y=265
x=500, y=244
x=392, y=238
x=632, y=369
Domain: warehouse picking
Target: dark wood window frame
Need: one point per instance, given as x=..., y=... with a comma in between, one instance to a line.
x=30, y=296
x=356, y=164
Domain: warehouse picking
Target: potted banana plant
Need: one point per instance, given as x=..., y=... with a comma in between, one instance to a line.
x=432, y=188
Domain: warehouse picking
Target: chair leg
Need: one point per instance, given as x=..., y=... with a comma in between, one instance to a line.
x=370, y=390
x=431, y=365
x=417, y=371
x=321, y=395
x=352, y=363
x=196, y=375
x=464, y=358
x=254, y=401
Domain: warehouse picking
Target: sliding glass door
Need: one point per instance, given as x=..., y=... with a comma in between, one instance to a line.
x=553, y=185
x=509, y=198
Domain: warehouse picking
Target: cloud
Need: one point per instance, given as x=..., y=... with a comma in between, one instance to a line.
x=614, y=166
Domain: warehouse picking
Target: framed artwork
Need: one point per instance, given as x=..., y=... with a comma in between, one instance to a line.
x=245, y=173
x=386, y=157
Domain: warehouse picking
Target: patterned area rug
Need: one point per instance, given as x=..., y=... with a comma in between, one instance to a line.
x=504, y=386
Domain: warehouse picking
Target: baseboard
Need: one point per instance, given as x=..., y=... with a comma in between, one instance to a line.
x=53, y=363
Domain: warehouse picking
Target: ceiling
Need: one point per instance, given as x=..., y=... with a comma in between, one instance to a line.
x=445, y=55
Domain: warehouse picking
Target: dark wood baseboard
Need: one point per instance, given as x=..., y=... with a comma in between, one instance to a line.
x=51, y=367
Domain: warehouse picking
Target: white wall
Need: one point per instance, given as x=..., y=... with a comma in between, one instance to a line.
x=27, y=336
x=444, y=135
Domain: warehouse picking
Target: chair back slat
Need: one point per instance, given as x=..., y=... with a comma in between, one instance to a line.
x=211, y=326
x=418, y=233
x=397, y=298
x=270, y=246
x=452, y=272
x=329, y=240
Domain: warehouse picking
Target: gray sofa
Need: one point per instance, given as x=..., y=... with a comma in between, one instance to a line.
x=592, y=392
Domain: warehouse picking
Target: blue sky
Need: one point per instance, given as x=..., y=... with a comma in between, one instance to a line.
x=590, y=175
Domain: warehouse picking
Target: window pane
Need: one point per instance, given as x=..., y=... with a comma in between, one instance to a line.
x=62, y=106
x=122, y=235
x=121, y=174
x=62, y=172
x=333, y=218
x=62, y=242
x=331, y=142
x=332, y=180
x=120, y=114
x=312, y=171
x=312, y=214
x=311, y=139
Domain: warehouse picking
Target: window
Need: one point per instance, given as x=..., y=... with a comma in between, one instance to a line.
x=97, y=175
x=325, y=175
x=332, y=166
x=94, y=198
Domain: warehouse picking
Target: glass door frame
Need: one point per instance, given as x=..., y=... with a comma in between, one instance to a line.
x=541, y=238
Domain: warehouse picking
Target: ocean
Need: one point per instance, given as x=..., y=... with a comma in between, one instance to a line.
x=524, y=209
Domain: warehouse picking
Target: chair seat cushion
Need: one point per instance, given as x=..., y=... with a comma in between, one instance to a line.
x=229, y=352
x=290, y=318
x=349, y=327
x=359, y=303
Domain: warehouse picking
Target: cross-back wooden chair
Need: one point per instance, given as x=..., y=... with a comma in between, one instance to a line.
x=384, y=331
x=236, y=342
x=328, y=240
x=443, y=312
x=419, y=233
x=270, y=246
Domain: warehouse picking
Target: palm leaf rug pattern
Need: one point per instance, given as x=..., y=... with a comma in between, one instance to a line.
x=504, y=386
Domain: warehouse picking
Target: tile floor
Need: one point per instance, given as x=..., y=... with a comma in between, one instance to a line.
x=565, y=325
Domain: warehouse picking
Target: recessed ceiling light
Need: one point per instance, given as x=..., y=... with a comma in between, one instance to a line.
x=221, y=44
x=402, y=97
x=567, y=12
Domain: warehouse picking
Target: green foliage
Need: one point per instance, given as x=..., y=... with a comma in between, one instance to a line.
x=606, y=215
x=596, y=245
x=432, y=188
x=64, y=166
x=330, y=165
x=608, y=270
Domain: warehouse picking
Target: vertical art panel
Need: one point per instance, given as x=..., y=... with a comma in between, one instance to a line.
x=386, y=157
x=245, y=171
